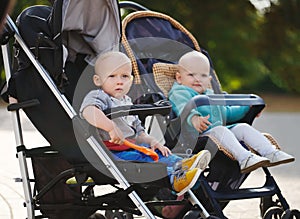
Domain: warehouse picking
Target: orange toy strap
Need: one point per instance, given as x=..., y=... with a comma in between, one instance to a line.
x=142, y=149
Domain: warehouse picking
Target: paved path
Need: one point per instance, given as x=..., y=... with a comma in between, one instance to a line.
x=284, y=126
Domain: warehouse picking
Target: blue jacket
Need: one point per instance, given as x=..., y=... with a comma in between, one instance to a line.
x=180, y=95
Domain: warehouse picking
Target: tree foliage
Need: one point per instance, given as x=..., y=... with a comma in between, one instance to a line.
x=248, y=48
x=280, y=44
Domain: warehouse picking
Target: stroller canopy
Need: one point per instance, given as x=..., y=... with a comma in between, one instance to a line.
x=90, y=26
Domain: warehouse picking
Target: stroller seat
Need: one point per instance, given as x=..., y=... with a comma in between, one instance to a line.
x=155, y=42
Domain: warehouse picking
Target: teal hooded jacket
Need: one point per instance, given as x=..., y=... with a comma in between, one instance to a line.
x=180, y=95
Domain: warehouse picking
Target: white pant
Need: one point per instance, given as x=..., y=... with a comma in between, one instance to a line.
x=230, y=139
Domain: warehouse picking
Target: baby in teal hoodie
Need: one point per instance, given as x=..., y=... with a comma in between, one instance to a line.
x=193, y=79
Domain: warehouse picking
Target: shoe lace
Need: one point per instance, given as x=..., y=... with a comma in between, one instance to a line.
x=180, y=175
x=247, y=159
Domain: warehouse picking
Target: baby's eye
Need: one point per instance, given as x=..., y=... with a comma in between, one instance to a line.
x=191, y=74
x=125, y=76
x=204, y=75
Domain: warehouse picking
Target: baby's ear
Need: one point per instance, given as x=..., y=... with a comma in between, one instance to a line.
x=178, y=77
x=97, y=80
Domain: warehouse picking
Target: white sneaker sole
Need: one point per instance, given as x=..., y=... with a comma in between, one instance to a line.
x=263, y=163
x=281, y=162
x=202, y=160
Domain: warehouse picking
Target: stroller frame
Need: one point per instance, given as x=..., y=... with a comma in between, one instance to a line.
x=72, y=114
x=94, y=144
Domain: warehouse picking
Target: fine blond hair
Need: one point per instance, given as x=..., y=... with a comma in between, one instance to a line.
x=108, y=62
x=193, y=60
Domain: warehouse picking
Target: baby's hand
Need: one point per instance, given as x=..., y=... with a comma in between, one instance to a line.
x=200, y=123
x=163, y=149
x=116, y=136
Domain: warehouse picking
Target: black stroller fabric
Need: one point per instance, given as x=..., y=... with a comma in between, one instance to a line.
x=26, y=84
x=43, y=40
x=59, y=131
x=65, y=134
x=61, y=195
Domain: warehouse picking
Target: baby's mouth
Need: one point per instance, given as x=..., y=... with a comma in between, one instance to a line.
x=118, y=89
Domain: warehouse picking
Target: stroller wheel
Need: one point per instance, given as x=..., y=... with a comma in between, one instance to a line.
x=97, y=216
x=115, y=214
x=266, y=203
x=273, y=213
x=291, y=214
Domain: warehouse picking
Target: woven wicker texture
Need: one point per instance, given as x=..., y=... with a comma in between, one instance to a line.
x=272, y=140
x=164, y=76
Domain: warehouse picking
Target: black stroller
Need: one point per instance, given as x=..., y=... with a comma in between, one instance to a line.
x=155, y=42
x=51, y=50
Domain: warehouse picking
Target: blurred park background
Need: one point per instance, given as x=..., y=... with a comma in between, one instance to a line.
x=254, y=44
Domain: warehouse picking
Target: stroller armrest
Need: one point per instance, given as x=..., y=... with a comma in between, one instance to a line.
x=142, y=110
x=256, y=103
x=22, y=105
x=253, y=100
